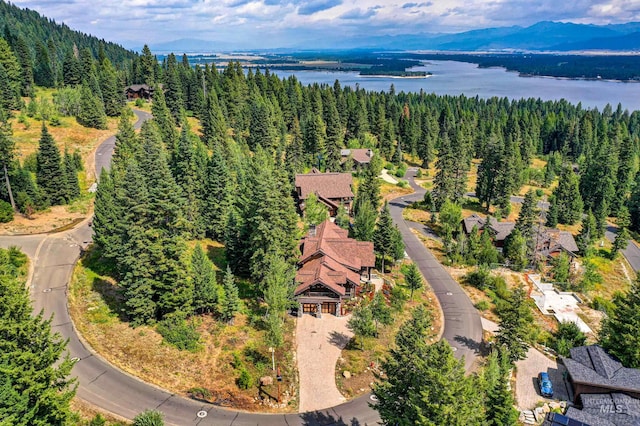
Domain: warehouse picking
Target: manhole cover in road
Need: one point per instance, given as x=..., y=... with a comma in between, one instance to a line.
x=373, y=398
x=46, y=290
x=453, y=348
x=449, y=293
x=201, y=414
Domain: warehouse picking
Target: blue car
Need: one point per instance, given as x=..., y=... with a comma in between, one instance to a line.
x=546, y=388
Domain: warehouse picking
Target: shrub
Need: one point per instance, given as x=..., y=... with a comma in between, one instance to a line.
x=568, y=336
x=179, y=332
x=402, y=169
x=98, y=420
x=482, y=305
x=539, y=193
x=480, y=278
x=419, y=173
x=402, y=183
x=55, y=121
x=6, y=212
x=139, y=103
x=245, y=381
x=601, y=304
x=149, y=418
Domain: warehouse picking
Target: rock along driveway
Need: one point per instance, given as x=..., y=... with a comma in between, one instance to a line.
x=320, y=342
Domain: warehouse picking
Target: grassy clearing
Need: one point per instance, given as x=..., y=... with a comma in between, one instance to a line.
x=87, y=412
x=364, y=363
x=95, y=305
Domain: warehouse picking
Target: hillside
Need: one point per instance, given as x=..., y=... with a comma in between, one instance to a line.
x=36, y=30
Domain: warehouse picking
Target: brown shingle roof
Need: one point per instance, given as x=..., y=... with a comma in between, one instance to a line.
x=361, y=156
x=501, y=230
x=330, y=257
x=325, y=185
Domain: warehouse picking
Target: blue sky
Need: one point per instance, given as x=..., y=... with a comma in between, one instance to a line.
x=282, y=23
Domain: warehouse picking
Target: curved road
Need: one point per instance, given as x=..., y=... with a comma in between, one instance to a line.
x=462, y=326
x=53, y=258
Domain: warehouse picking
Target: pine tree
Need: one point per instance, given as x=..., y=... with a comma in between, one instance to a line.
x=218, y=195
x=620, y=333
x=10, y=81
x=50, y=173
x=43, y=74
x=588, y=233
x=110, y=86
x=567, y=198
x=214, y=125
x=364, y=222
x=231, y=299
x=498, y=399
x=108, y=218
x=71, y=177
x=383, y=235
x=425, y=384
x=35, y=388
x=527, y=219
x=413, y=278
x=515, y=319
x=7, y=153
x=91, y=112
x=206, y=290
x=516, y=250
x=621, y=241
x=164, y=120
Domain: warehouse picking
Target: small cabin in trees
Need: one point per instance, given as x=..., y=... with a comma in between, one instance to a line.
x=138, y=91
x=550, y=242
x=332, y=189
x=331, y=268
x=360, y=157
x=499, y=230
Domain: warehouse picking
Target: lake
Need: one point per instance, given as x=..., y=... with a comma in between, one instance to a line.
x=461, y=78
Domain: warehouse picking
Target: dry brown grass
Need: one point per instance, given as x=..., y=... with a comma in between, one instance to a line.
x=389, y=191
x=87, y=412
x=94, y=304
x=416, y=215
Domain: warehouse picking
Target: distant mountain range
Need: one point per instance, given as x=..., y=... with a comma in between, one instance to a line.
x=542, y=36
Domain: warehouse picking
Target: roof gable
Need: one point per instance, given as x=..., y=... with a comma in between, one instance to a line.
x=592, y=365
x=325, y=185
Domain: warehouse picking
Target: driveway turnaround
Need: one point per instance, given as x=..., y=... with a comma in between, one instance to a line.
x=319, y=343
x=527, y=388
x=462, y=326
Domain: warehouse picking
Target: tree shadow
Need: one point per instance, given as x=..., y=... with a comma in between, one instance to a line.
x=325, y=418
x=473, y=204
x=340, y=340
x=217, y=256
x=474, y=345
x=108, y=291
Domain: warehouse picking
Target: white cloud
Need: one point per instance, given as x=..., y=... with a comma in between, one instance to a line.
x=278, y=22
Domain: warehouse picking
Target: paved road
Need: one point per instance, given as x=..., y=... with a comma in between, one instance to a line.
x=462, y=325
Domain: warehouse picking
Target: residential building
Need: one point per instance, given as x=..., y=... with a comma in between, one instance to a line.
x=138, y=91
x=332, y=189
x=360, y=157
x=331, y=269
x=549, y=242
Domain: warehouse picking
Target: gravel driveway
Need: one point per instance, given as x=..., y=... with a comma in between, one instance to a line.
x=319, y=344
x=527, y=392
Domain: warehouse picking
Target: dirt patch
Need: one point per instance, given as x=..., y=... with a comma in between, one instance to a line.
x=52, y=219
